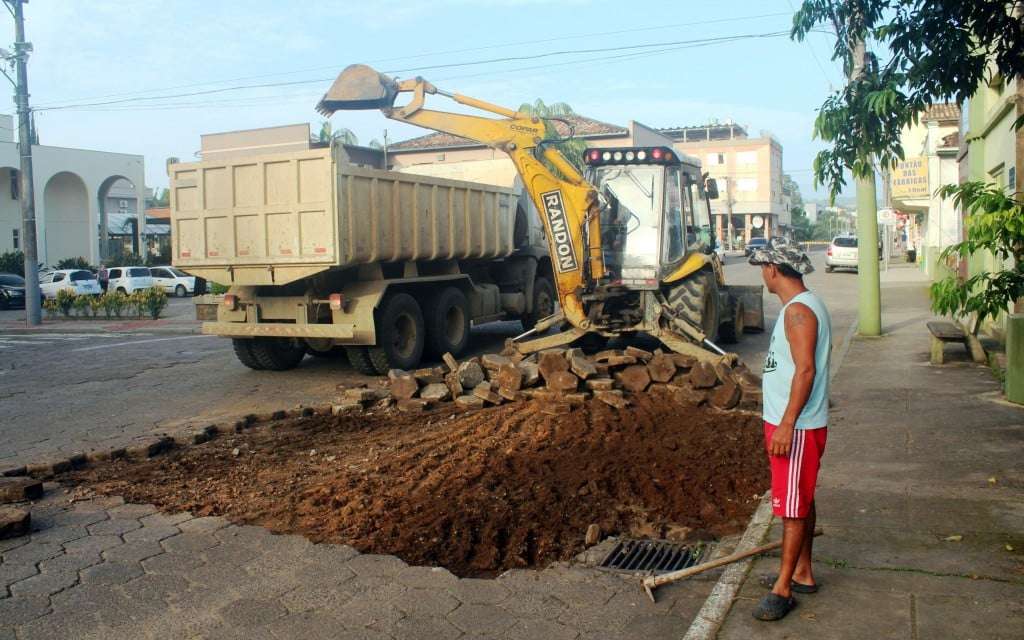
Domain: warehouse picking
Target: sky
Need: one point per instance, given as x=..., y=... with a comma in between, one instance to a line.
x=139, y=56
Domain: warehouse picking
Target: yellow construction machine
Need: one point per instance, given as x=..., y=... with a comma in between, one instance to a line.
x=630, y=241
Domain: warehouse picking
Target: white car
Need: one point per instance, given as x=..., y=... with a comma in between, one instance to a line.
x=841, y=253
x=173, y=281
x=79, y=281
x=128, y=279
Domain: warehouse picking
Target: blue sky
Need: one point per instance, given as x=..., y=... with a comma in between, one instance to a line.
x=110, y=50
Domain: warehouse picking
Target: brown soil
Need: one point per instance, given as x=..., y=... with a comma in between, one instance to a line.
x=475, y=492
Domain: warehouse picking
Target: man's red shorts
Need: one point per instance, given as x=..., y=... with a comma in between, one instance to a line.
x=795, y=476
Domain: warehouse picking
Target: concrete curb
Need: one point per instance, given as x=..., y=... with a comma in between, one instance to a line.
x=709, y=619
x=74, y=327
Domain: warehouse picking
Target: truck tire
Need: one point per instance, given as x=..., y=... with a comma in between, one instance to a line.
x=400, y=334
x=447, y=322
x=543, y=302
x=277, y=354
x=243, y=351
x=696, y=299
x=360, y=360
x=731, y=332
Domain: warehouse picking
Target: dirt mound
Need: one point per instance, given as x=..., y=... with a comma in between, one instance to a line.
x=476, y=492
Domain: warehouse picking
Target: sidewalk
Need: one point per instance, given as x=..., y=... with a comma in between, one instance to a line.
x=920, y=497
x=177, y=319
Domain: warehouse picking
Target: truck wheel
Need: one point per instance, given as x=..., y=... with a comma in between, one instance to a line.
x=243, y=351
x=400, y=338
x=360, y=360
x=732, y=332
x=277, y=354
x=696, y=299
x=448, y=323
x=543, y=302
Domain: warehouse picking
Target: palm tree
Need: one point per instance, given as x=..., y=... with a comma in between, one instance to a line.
x=572, y=148
x=341, y=135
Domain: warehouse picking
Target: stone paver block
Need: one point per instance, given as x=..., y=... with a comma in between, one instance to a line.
x=81, y=626
x=188, y=543
x=11, y=573
x=111, y=573
x=14, y=521
x=367, y=611
x=308, y=625
x=482, y=619
x=132, y=511
x=425, y=602
x=114, y=527
x=230, y=553
x=478, y=591
x=92, y=545
x=371, y=564
x=532, y=604
x=133, y=552
x=164, y=519
x=171, y=563
x=531, y=629
x=20, y=609
x=72, y=562
x=20, y=489
x=12, y=543
x=206, y=524
x=249, y=613
x=79, y=516
x=45, y=584
x=59, y=535
x=154, y=587
x=580, y=593
x=32, y=553
x=310, y=597
x=426, y=577
x=151, y=533
x=420, y=628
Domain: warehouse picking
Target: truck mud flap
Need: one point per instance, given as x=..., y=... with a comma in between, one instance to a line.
x=752, y=297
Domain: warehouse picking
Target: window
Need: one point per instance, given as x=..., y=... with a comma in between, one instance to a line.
x=58, y=277
x=677, y=217
x=1011, y=178
x=746, y=157
x=16, y=238
x=716, y=158
x=122, y=206
x=138, y=272
x=11, y=280
x=80, y=276
x=746, y=184
x=845, y=242
x=45, y=278
x=160, y=273
x=14, y=184
x=114, y=274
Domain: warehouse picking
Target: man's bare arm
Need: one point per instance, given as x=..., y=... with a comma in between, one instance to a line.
x=802, y=334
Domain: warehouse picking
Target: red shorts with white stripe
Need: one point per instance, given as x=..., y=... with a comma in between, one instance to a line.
x=795, y=476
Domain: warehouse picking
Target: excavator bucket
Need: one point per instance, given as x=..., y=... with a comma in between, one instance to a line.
x=752, y=297
x=358, y=87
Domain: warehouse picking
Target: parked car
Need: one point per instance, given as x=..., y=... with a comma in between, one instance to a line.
x=841, y=253
x=79, y=281
x=128, y=279
x=753, y=245
x=173, y=281
x=12, y=291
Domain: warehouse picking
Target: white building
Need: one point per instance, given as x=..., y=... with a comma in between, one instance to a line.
x=71, y=189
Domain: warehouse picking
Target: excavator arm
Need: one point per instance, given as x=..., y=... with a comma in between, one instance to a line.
x=567, y=204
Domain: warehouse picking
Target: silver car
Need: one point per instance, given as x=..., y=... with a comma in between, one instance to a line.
x=841, y=253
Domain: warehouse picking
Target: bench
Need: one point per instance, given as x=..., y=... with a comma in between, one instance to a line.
x=943, y=331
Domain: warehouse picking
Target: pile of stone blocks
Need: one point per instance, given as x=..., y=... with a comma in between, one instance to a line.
x=561, y=379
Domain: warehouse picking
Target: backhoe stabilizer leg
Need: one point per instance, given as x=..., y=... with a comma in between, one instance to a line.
x=546, y=342
x=682, y=345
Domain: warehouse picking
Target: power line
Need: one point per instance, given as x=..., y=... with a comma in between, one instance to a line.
x=814, y=54
x=425, y=55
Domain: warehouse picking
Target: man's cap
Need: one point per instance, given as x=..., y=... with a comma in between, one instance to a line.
x=786, y=254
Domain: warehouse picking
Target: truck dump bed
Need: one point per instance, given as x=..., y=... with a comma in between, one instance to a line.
x=276, y=218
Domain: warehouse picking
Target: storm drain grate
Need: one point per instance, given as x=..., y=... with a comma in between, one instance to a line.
x=654, y=556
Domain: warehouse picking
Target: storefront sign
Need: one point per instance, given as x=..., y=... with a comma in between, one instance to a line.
x=910, y=179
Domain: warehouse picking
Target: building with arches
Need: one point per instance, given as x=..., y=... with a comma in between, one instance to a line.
x=72, y=197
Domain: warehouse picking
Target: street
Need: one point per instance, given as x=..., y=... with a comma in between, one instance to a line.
x=73, y=391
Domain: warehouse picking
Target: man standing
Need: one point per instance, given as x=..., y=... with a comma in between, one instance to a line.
x=795, y=388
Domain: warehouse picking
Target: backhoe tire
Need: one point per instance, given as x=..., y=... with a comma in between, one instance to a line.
x=278, y=354
x=243, y=351
x=400, y=334
x=447, y=323
x=696, y=299
x=731, y=332
x=543, y=303
x=359, y=358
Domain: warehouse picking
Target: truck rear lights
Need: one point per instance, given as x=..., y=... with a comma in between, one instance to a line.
x=337, y=301
x=656, y=154
x=230, y=302
x=631, y=155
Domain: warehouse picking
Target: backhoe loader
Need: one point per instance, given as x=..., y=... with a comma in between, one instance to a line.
x=630, y=237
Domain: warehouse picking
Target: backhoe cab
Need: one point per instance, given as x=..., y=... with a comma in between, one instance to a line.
x=630, y=240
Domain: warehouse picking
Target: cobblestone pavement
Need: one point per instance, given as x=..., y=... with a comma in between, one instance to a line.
x=104, y=569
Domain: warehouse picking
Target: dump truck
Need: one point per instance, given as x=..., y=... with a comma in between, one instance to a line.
x=324, y=257
x=629, y=236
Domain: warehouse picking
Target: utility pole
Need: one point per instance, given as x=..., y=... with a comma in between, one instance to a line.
x=869, y=309
x=25, y=182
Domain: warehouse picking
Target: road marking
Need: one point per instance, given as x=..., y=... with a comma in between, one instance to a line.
x=126, y=344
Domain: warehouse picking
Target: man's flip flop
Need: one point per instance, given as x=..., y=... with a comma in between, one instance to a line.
x=768, y=582
x=774, y=607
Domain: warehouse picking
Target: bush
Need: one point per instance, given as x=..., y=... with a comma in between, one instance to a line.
x=153, y=301
x=51, y=308
x=216, y=289
x=65, y=300
x=125, y=260
x=96, y=305
x=75, y=263
x=81, y=305
x=12, y=262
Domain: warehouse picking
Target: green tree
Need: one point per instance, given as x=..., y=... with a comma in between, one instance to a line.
x=801, y=224
x=342, y=135
x=924, y=51
x=993, y=222
x=163, y=198
x=572, y=148
x=792, y=189
x=12, y=262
